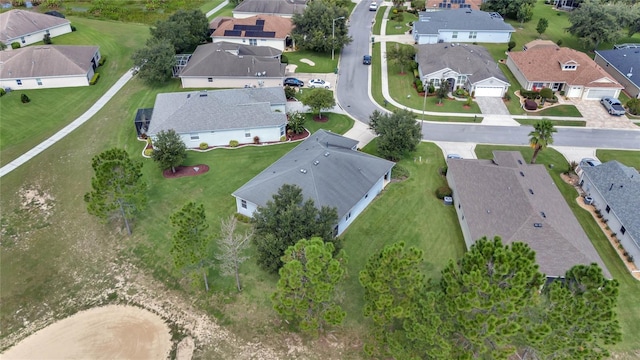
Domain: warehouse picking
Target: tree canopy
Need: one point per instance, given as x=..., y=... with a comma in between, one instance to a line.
x=191, y=240
x=155, y=61
x=307, y=290
x=169, y=150
x=401, y=55
x=314, y=28
x=398, y=133
x=508, y=8
x=594, y=22
x=117, y=187
x=184, y=30
x=285, y=220
x=541, y=137
x=543, y=23
x=318, y=99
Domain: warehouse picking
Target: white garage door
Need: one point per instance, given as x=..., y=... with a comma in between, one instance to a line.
x=489, y=91
x=597, y=94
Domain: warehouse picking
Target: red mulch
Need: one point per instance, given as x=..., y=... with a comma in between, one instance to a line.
x=302, y=135
x=186, y=171
x=321, y=119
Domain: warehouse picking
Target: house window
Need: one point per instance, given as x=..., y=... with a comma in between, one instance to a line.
x=473, y=34
x=247, y=133
x=623, y=230
x=570, y=67
x=608, y=209
x=39, y=81
x=537, y=85
x=282, y=128
x=454, y=35
x=348, y=216
x=243, y=203
x=194, y=137
x=19, y=82
x=47, y=32
x=253, y=42
x=435, y=82
x=22, y=39
x=210, y=79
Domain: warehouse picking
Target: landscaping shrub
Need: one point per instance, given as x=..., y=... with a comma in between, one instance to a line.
x=242, y=218
x=399, y=172
x=399, y=17
x=416, y=73
x=204, y=146
x=529, y=94
x=289, y=92
x=24, y=98
x=469, y=101
x=148, y=152
x=630, y=258
x=511, y=45
x=46, y=39
x=506, y=97
x=431, y=89
x=2, y=92
x=94, y=79
x=546, y=93
x=559, y=42
x=284, y=59
x=15, y=45
x=256, y=139
x=443, y=170
x=443, y=191
x=634, y=106
x=414, y=66
x=73, y=28
x=102, y=60
x=233, y=143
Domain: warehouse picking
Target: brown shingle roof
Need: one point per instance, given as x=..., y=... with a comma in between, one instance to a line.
x=16, y=23
x=46, y=60
x=280, y=7
x=281, y=26
x=544, y=64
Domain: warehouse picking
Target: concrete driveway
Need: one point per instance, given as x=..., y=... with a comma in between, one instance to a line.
x=492, y=105
x=597, y=116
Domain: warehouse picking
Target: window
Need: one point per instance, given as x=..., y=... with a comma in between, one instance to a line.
x=253, y=42
x=537, y=85
x=194, y=137
x=39, y=81
x=348, y=216
x=435, y=82
x=570, y=67
x=22, y=39
x=623, y=230
x=47, y=32
x=243, y=203
x=454, y=35
x=608, y=209
x=247, y=133
x=19, y=82
x=210, y=79
x=473, y=34
x=282, y=128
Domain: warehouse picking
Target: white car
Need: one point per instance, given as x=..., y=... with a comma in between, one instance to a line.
x=314, y=83
x=373, y=6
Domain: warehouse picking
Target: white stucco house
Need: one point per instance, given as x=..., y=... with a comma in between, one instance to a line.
x=29, y=27
x=216, y=117
x=461, y=26
x=231, y=65
x=468, y=66
x=48, y=66
x=260, y=30
x=615, y=190
x=329, y=170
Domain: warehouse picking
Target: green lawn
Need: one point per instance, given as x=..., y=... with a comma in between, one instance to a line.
x=530, y=122
x=560, y=110
x=322, y=62
x=337, y=123
x=23, y=126
x=210, y=5
x=379, y=16
x=400, y=27
x=225, y=11
x=628, y=314
x=629, y=158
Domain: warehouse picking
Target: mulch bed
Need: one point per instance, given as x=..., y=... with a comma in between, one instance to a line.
x=182, y=171
x=302, y=135
x=320, y=119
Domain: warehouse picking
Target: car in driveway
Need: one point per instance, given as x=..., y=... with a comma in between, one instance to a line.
x=613, y=105
x=373, y=6
x=453, y=156
x=314, y=83
x=589, y=162
x=293, y=82
x=366, y=59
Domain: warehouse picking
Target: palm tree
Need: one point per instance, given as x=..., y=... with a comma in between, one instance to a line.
x=541, y=137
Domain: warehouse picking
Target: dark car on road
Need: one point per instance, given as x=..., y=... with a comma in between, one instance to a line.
x=366, y=59
x=293, y=82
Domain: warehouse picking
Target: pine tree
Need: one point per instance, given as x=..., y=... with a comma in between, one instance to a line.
x=191, y=241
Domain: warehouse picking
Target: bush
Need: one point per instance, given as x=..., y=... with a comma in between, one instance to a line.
x=148, y=152
x=2, y=92
x=399, y=17
x=559, y=42
x=431, y=89
x=506, y=97
x=102, y=60
x=204, y=146
x=511, y=45
x=529, y=94
x=94, y=79
x=24, y=98
x=233, y=143
x=469, y=101
x=284, y=59
x=73, y=28
x=546, y=93
x=256, y=139
x=443, y=191
x=630, y=258
x=15, y=45
x=399, y=172
x=634, y=106
x=289, y=92
x=416, y=73
x=242, y=218
x=46, y=39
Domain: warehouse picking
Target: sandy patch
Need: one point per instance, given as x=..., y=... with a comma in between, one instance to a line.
x=291, y=68
x=109, y=332
x=307, y=61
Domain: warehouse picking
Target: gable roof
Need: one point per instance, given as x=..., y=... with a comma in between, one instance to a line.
x=624, y=60
x=544, y=64
x=233, y=60
x=197, y=111
x=460, y=19
x=474, y=60
x=619, y=185
x=46, y=60
x=496, y=199
x=17, y=23
x=340, y=178
x=538, y=42
x=271, y=7
x=259, y=26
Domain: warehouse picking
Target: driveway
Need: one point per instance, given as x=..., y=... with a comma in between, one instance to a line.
x=597, y=116
x=492, y=105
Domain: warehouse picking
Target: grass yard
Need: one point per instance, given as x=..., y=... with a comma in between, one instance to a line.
x=323, y=62
x=531, y=122
x=210, y=5
x=627, y=157
x=628, y=314
x=132, y=11
x=400, y=27
x=337, y=123
x=378, y=24
x=23, y=126
x=227, y=10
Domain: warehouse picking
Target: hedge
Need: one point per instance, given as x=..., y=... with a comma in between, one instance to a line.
x=94, y=79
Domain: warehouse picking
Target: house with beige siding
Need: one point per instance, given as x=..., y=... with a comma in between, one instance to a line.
x=29, y=27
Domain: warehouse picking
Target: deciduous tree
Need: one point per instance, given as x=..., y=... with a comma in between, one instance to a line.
x=543, y=23
x=295, y=122
x=508, y=8
x=318, y=100
x=117, y=187
x=155, y=61
x=314, y=29
x=231, y=247
x=443, y=90
x=307, y=290
x=191, y=240
x=401, y=55
x=169, y=150
x=541, y=137
x=594, y=22
x=398, y=133
x=184, y=30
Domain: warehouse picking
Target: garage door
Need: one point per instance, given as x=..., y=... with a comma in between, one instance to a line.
x=489, y=91
x=597, y=94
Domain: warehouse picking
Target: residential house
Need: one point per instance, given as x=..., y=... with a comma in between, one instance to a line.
x=561, y=69
x=260, y=30
x=219, y=116
x=282, y=8
x=48, y=66
x=329, y=170
x=619, y=63
x=516, y=201
x=538, y=42
x=231, y=65
x=29, y=27
x=461, y=26
x=615, y=190
x=468, y=66
x=439, y=5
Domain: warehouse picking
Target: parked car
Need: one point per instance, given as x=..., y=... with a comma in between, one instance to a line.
x=613, y=105
x=366, y=59
x=373, y=6
x=313, y=83
x=293, y=82
x=589, y=162
x=453, y=156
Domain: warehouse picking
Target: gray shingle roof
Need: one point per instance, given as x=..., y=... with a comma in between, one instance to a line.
x=497, y=200
x=460, y=19
x=46, y=60
x=340, y=179
x=624, y=196
x=217, y=59
x=624, y=60
x=17, y=23
x=465, y=59
x=276, y=7
x=187, y=112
